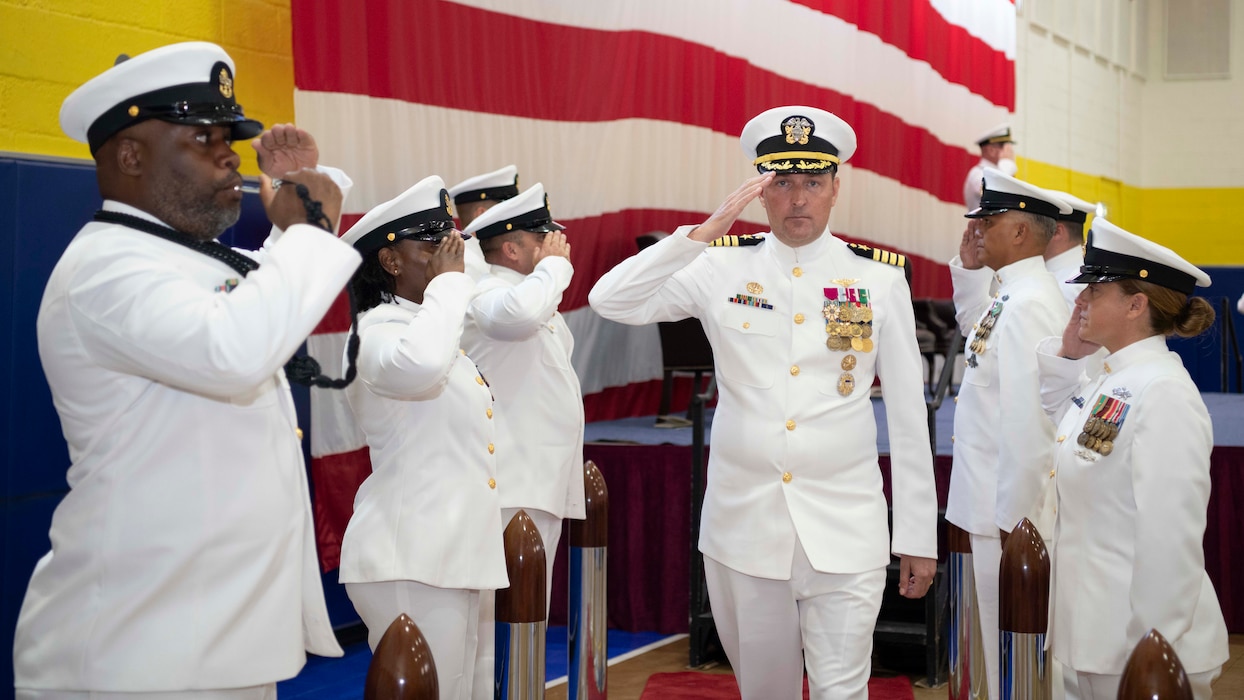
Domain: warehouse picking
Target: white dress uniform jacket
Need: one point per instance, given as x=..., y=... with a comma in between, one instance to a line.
x=1131, y=523
x=429, y=512
x=522, y=345
x=1065, y=266
x=183, y=555
x=790, y=456
x=1002, y=440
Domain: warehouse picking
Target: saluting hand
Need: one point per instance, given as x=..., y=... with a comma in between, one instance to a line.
x=553, y=245
x=720, y=222
x=1074, y=348
x=284, y=148
x=448, y=256
x=285, y=208
x=968, y=249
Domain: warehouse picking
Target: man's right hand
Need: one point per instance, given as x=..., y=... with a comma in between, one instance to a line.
x=720, y=222
x=448, y=256
x=968, y=249
x=554, y=245
x=285, y=208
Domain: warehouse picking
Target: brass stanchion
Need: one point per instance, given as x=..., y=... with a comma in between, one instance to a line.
x=402, y=667
x=588, y=642
x=1154, y=672
x=521, y=614
x=967, y=652
x=1023, y=615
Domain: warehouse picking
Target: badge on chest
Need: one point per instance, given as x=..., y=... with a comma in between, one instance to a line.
x=983, y=329
x=1102, y=427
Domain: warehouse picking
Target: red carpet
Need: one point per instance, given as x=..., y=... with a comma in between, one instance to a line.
x=690, y=685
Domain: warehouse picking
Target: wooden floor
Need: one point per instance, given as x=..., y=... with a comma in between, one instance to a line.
x=626, y=679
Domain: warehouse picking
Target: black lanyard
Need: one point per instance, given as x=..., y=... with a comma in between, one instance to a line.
x=301, y=369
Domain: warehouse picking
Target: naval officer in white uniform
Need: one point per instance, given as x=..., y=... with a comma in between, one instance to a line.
x=1065, y=253
x=1132, y=468
x=522, y=344
x=1002, y=437
x=995, y=146
x=794, y=530
x=183, y=562
x=425, y=536
x=476, y=195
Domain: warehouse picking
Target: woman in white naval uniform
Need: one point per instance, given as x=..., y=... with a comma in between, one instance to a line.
x=425, y=537
x=1132, y=468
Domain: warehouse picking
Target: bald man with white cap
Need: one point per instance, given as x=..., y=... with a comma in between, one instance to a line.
x=183, y=558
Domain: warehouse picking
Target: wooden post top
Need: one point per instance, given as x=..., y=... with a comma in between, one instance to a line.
x=1024, y=582
x=1153, y=672
x=592, y=531
x=958, y=541
x=402, y=667
x=524, y=600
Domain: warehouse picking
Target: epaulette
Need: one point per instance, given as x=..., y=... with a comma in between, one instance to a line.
x=734, y=241
x=883, y=256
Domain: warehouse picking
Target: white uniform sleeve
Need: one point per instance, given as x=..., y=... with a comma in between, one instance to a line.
x=343, y=182
x=664, y=282
x=972, y=293
x=911, y=462
x=138, y=315
x=513, y=313
x=1060, y=378
x=1171, y=441
x=411, y=361
x=1026, y=445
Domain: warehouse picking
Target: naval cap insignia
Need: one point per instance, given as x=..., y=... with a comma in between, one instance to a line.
x=797, y=129
x=226, y=83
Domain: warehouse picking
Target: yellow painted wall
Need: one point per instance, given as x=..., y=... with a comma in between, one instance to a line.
x=52, y=46
x=1202, y=224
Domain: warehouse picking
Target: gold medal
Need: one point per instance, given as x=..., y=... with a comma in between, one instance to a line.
x=868, y=344
x=857, y=344
x=1105, y=448
x=848, y=363
x=1083, y=439
x=846, y=384
x=1090, y=424
x=1093, y=443
x=868, y=331
x=857, y=330
x=868, y=313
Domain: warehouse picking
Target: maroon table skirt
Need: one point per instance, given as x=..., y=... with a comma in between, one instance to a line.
x=650, y=525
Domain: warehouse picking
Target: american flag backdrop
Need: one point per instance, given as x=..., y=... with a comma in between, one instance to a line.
x=629, y=113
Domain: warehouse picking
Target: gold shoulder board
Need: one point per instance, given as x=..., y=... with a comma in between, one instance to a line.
x=879, y=255
x=736, y=241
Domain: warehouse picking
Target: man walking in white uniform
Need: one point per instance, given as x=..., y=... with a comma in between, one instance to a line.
x=794, y=530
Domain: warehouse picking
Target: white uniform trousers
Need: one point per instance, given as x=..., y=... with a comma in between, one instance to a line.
x=1097, y=686
x=764, y=624
x=550, y=528
x=986, y=559
x=255, y=692
x=449, y=619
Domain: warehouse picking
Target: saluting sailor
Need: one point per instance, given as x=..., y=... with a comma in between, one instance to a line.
x=1002, y=437
x=474, y=196
x=794, y=530
x=1065, y=253
x=1132, y=468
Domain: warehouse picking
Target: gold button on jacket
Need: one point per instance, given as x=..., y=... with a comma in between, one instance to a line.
x=790, y=425
x=787, y=477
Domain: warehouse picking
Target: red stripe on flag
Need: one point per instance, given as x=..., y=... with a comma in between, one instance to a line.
x=637, y=399
x=924, y=34
x=336, y=478
x=337, y=320
x=587, y=75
